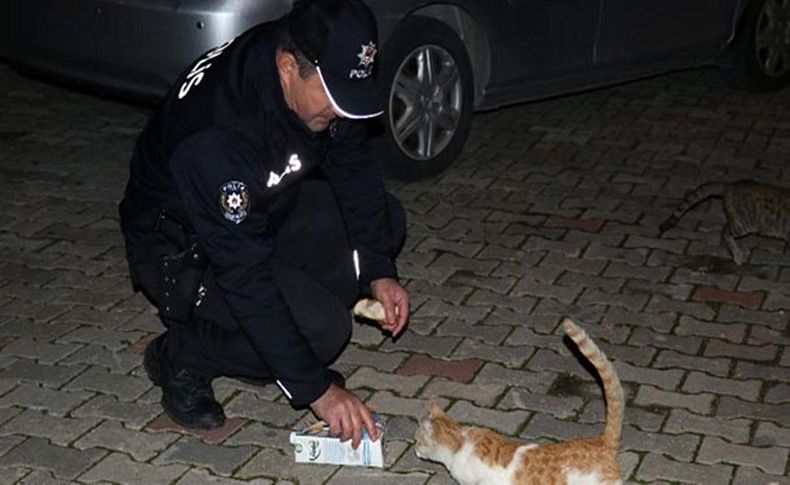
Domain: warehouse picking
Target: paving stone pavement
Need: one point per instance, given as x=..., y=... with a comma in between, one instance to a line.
x=551, y=211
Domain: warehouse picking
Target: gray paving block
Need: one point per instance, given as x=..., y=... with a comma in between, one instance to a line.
x=123, y=469
x=134, y=415
x=112, y=435
x=37, y=453
x=200, y=477
x=221, y=460
x=50, y=375
x=58, y=430
x=248, y=405
x=96, y=379
x=771, y=460
x=276, y=464
x=32, y=396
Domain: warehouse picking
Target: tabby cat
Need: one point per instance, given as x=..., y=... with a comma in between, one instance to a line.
x=481, y=456
x=750, y=207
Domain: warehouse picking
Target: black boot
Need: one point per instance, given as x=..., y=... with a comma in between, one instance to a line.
x=186, y=397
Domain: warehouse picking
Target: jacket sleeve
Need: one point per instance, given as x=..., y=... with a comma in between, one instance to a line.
x=240, y=248
x=359, y=190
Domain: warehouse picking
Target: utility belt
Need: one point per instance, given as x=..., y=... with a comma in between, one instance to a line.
x=181, y=273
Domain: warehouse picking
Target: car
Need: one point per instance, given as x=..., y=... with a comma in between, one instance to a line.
x=439, y=61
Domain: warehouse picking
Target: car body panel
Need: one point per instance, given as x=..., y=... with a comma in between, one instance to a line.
x=524, y=49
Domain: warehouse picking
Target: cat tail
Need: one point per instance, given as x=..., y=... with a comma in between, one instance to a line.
x=613, y=391
x=692, y=198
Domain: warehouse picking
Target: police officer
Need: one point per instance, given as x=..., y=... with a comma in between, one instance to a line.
x=255, y=216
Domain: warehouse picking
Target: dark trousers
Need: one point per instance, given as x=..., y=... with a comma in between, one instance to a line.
x=314, y=270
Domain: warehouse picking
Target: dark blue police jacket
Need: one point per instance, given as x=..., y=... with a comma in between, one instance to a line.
x=226, y=155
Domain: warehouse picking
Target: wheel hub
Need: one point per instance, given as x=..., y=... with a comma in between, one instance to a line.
x=425, y=102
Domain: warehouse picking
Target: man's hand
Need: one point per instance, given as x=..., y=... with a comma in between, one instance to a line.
x=345, y=414
x=395, y=300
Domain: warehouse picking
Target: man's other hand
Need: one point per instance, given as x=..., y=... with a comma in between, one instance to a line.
x=345, y=414
x=395, y=300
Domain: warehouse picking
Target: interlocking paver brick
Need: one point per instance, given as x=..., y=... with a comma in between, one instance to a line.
x=699, y=403
x=534, y=381
x=731, y=332
x=439, y=347
x=8, y=442
x=680, y=447
x=778, y=394
x=221, y=460
x=507, y=422
x=775, y=320
x=59, y=430
x=633, y=256
x=373, y=476
x=278, y=464
x=489, y=334
x=387, y=362
x=718, y=348
x=746, y=475
x=671, y=359
x=140, y=445
x=386, y=402
x=746, y=370
x=520, y=399
x=405, y=386
x=125, y=470
x=715, y=450
x=659, y=304
x=248, y=405
x=507, y=355
x=125, y=387
x=768, y=434
x=587, y=225
x=608, y=285
x=594, y=296
x=623, y=270
x=482, y=394
x=747, y=299
x=97, y=355
x=50, y=375
x=731, y=407
x=111, y=339
x=12, y=474
x=64, y=462
x=664, y=379
x=734, y=430
x=44, y=353
x=648, y=337
x=456, y=370
x=202, y=477
x=32, y=396
x=544, y=428
x=134, y=415
x=745, y=389
x=655, y=467
x=587, y=266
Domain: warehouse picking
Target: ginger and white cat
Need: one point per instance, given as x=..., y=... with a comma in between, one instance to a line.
x=478, y=456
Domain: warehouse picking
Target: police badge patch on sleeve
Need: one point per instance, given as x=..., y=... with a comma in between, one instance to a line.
x=234, y=200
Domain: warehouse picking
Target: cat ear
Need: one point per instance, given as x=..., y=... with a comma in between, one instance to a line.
x=435, y=411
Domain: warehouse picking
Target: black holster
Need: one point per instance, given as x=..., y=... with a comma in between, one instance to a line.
x=182, y=273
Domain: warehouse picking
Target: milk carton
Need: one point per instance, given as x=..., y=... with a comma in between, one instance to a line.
x=312, y=444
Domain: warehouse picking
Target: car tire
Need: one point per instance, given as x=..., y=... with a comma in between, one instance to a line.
x=759, y=59
x=428, y=87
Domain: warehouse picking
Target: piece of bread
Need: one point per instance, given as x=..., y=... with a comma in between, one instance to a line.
x=369, y=308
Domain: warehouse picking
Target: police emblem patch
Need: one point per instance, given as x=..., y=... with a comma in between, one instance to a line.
x=234, y=200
